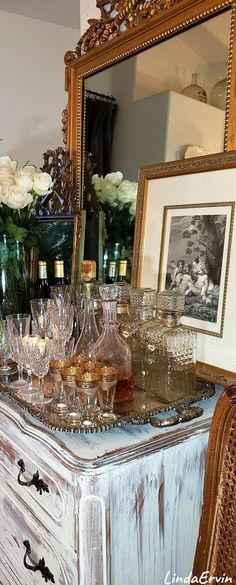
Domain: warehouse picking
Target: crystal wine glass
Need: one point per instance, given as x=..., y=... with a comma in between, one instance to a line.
x=18, y=326
x=40, y=357
x=62, y=321
x=41, y=313
x=5, y=351
x=61, y=294
x=29, y=343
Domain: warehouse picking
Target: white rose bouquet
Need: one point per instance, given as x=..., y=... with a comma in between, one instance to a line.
x=19, y=191
x=118, y=199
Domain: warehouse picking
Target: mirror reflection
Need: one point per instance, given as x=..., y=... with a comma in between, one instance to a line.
x=165, y=103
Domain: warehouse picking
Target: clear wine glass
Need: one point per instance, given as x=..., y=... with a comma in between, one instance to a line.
x=61, y=294
x=62, y=349
x=18, y=326
x=62, y=321
x=41, y=313
x=5, y=351
x=29, y=343
x=40, y=357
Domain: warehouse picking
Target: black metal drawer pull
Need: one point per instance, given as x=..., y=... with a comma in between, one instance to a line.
x=40, y=485
x=45, y=572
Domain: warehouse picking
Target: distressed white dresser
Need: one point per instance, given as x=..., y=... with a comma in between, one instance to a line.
x=122, y=508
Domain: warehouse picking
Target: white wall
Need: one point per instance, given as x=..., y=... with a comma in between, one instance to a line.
x=32, y=94
x=88, y=10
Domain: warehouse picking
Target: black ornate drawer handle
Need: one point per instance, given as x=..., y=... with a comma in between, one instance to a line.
x=40, y=485
x=46, y=573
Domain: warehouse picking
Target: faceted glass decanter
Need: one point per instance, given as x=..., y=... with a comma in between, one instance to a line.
x=142, y=310
x=89, y=333
x=111, y=349
x=195, y=91
x=123, y=303
x=173, y=350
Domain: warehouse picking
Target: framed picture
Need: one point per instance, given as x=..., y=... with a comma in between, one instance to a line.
x=194, y=260
x=185, y=239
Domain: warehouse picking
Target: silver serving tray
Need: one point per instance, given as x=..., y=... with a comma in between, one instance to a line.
x=142, y=409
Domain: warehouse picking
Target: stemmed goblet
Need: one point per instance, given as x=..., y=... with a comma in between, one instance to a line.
x=40, y=357
x=41, y=313
x=18, y=326
x=61, y=294
x=62, y=325
x=5, y=351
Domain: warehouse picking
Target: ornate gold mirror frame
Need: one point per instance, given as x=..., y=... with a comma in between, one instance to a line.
x=125, y=28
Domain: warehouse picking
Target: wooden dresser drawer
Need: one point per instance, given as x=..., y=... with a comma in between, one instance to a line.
x=17, y=528
x=49, y=497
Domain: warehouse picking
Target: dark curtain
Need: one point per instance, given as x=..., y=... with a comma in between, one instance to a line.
x=100, y=120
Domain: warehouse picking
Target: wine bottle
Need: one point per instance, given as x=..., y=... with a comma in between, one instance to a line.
x=43, y=291
x=122, y=270
x=105, y=265
x=116, y=252
x=88, y=270
x=59, y=274
x=33, y=273
x=112, y=271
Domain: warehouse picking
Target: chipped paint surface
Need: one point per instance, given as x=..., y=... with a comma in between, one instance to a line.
x=124, y=505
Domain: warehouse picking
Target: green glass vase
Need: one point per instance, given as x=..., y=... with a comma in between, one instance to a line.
x=14, y=277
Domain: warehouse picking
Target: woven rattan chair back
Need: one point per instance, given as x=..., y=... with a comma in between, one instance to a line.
x=216, y=546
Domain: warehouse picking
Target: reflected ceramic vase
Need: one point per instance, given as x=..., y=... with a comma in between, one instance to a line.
x=218, y=94
x=195, y=91
x=14, y=277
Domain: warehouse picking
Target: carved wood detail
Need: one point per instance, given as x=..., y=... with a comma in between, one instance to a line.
x=58, y=164
x=65, y=125
x=117, y=16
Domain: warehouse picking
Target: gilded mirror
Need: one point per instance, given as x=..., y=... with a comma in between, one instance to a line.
x=141, y=55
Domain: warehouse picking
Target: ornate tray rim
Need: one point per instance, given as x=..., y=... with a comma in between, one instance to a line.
x=184, y=412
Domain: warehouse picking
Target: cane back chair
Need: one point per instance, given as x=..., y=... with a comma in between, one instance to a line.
x=216, y=546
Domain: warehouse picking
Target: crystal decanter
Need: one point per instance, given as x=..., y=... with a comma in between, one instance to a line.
x=110, y=349
x=171, y=348
x=123, y=303
x=142, y=310
x=89, y=332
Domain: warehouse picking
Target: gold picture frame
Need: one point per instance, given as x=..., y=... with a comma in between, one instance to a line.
x=179, y=188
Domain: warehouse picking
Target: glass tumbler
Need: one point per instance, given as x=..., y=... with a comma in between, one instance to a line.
x=68, y=376
x=87, y=385
x=60, y=401
x=106, y=392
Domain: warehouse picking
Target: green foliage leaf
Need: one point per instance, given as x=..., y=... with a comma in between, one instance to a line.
x=20, y=234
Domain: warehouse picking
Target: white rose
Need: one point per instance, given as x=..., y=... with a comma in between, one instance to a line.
x=6, y=181
x=5, y=173
x=114, y=178
x=23, y=180
x=1, y=191
x=127, y=191
x=98, y=182
x=30, y=170
x=15, y=197
x=29, y=198
x=42, y=183
x=132, y=209
x=108, y=194
x=7, y=162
